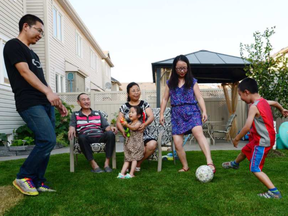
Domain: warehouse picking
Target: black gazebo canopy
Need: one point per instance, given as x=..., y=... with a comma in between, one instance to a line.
x=207, y=67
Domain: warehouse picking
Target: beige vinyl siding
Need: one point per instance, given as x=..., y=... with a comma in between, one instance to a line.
x=66, y=50
x=83, y=63
x=57, y=56
x=9, y=117
x=36, y=7
x=11, y=12
x=106, y=74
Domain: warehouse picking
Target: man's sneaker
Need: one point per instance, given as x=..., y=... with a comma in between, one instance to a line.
x=25, y=186
x=45, y=188
x=228, y=165
x=107, y=169
x=97, y=170
x=270, y=195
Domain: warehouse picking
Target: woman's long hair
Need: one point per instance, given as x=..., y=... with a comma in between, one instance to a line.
x=129, y=86
x=173, y=81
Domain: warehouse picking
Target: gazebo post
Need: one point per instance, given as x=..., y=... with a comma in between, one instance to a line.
x=158, y=77
x=231, y=104
x=234, y=96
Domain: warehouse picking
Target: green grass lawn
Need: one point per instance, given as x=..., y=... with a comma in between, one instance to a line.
x=232, y=192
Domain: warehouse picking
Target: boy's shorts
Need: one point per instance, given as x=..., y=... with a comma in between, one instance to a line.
x=256, y=155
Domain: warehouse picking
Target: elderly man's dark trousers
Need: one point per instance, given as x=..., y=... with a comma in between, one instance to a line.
x=107, y=137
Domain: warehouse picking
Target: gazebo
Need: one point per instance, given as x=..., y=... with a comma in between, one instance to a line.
x=208, y=67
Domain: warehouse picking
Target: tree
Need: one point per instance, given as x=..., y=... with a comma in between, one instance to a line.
x=271, y=73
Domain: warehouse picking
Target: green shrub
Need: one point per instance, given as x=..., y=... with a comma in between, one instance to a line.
x=22, y=132
x=62, y=125
x=114, y=120
x=3, y=139
x=61, y=130
x=26, y=141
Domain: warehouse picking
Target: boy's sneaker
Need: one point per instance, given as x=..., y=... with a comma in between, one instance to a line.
x=270, y=195
x=45, y=188
x=26, y=186
x=228, y=165
x=120, y=176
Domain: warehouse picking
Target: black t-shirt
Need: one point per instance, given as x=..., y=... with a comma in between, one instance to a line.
x=25, y=95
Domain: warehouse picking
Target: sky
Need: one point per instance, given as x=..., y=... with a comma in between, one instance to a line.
x=139, y=32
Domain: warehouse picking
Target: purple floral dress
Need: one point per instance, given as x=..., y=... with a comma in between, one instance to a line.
x=185, y=113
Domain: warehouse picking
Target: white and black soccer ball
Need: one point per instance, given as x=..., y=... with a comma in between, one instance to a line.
x=204, y=174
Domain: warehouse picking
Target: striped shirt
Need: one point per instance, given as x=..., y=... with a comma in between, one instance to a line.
x=93, y=125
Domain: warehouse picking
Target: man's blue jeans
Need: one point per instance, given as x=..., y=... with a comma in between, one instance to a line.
x=41, y=120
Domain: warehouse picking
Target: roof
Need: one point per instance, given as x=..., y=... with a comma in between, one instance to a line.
x=208, y=57
x=113, y=80
x=210, y=67
x=281, y=52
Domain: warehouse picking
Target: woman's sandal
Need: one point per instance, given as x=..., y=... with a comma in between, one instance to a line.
x=184, y=170
x=214, y=170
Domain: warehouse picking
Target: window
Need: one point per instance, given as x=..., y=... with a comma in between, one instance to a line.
x=59, y=83
x=3, y=72
x=79, y=45
x=93, y=59
x=57, y=24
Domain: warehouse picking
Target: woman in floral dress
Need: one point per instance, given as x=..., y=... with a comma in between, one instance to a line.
x=186, y=116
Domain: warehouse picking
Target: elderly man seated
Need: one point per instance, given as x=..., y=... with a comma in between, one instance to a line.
x=92, y=127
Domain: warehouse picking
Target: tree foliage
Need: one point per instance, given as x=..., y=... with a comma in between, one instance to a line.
x=271, y=73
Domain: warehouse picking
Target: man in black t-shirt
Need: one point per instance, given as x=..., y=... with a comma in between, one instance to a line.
x=34, y=102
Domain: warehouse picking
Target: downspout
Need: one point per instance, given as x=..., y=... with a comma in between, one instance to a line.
x=46, y=39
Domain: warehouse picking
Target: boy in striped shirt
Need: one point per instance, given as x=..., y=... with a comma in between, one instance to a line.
x=262, y=134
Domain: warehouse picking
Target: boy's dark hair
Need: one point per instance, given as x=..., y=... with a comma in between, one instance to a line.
x=30, y=20
x=173, y=81
x=139, y=111
x=248, y=84
x=78, y=97
x=130, y=85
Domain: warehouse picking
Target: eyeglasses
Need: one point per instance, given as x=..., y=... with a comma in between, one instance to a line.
x=135, y=91
x=39, y=30
x=181, y=69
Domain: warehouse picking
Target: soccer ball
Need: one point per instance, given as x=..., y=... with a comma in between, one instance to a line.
x=204, y=174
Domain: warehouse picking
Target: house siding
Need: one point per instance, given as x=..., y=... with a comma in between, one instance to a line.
x=9, y=21
x=9, y=117
x=36, y=7
x=66, y=51
x=58, y=52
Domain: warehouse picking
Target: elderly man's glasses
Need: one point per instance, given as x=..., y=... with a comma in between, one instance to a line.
x=39, y=30
x=181, y=69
